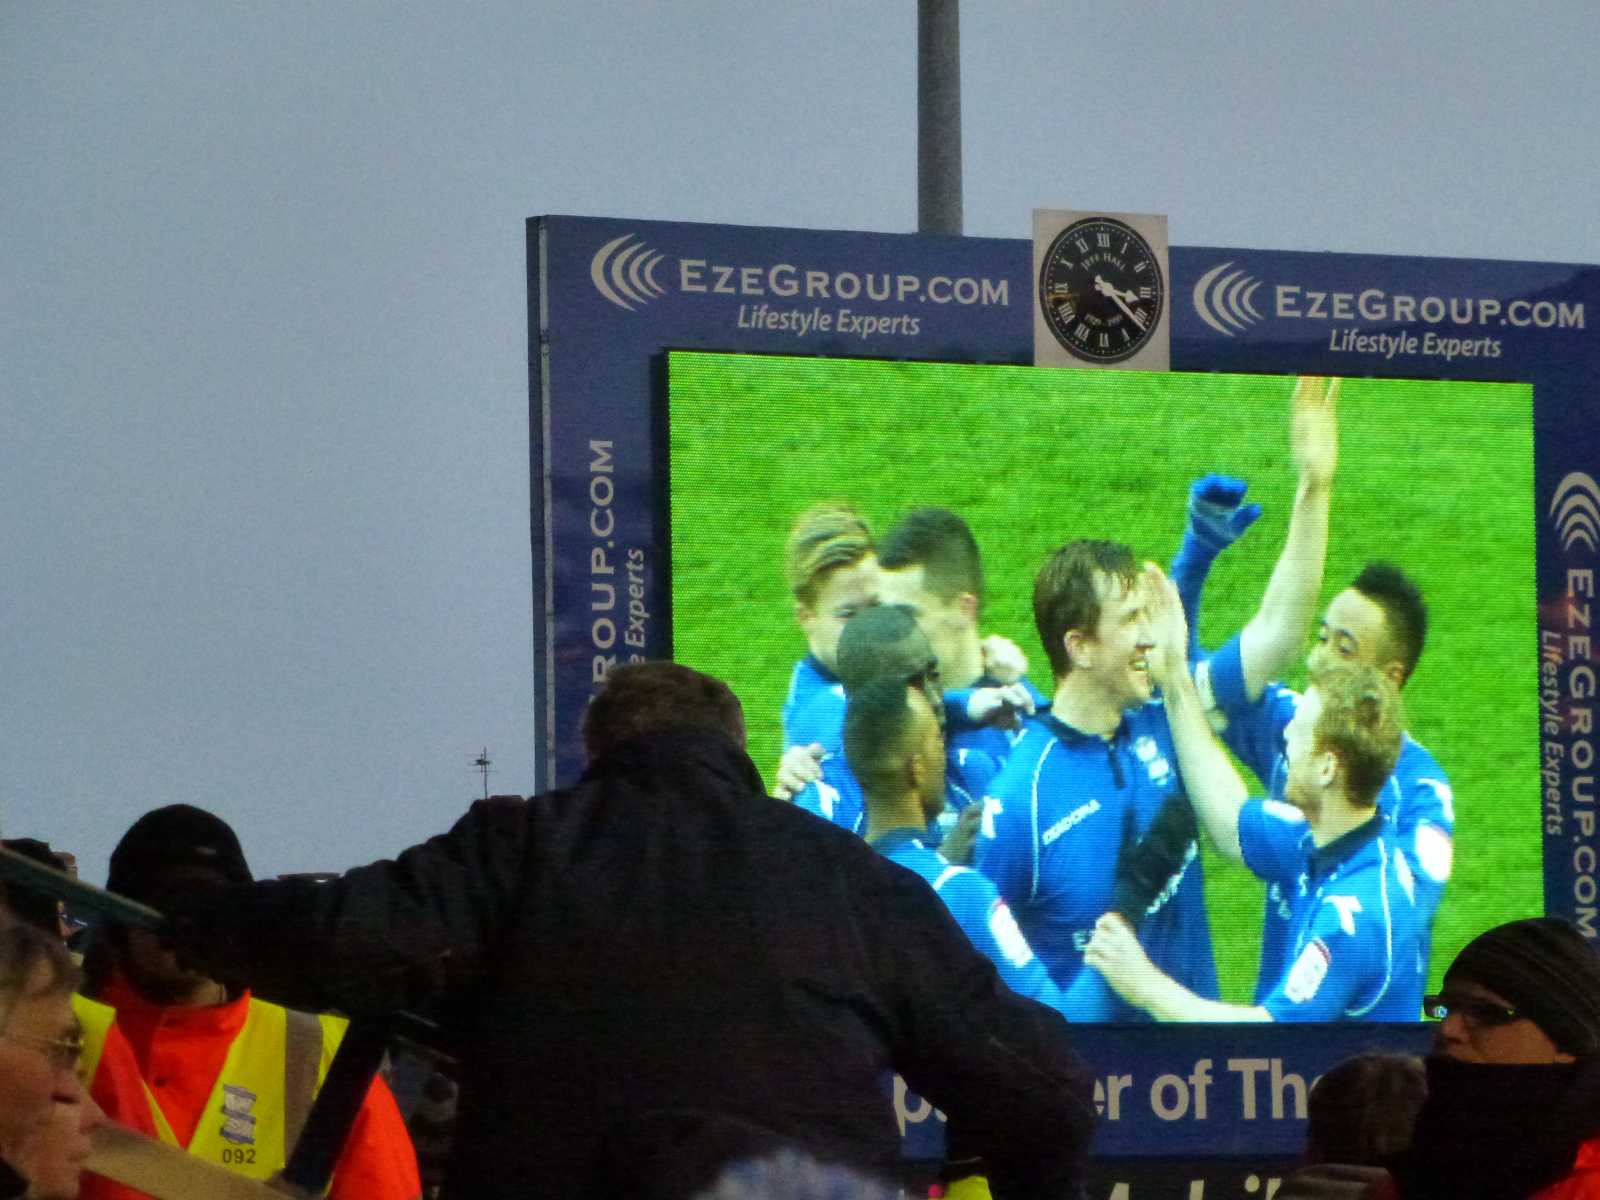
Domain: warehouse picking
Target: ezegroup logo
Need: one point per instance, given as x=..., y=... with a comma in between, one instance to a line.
x=1224, y=298
x=1576, y=512
x=624, y=272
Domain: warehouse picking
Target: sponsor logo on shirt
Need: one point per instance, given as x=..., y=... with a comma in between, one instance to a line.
x=1347, y=907
x=1008, y=937
x=1308, y=972
x=1435, y=852
x=1082, y=812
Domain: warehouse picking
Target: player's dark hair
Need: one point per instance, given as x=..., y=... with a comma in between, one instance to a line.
x=1361, y=721
x=824, y=538
x=643, y=698
x=1405, y=613
x=941, y=543
x=1066, y=595
x=877, y=724
x=26, y=904
x=1362, y=1111
x=882, y=642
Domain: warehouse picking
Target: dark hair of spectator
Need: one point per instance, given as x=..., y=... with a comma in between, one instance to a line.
x=644, y=698
x=941, y=543
x=877, y=728
x=1066, y=592
x=1363, y=1110
x=1405, y=613
x=26, y=904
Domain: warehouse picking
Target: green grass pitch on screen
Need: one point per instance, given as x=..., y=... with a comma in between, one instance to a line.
x=1437, y=477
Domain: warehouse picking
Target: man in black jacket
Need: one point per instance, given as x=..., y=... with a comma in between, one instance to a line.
x=664, y=943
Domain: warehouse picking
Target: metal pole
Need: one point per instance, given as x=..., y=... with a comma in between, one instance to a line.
x=938, y=116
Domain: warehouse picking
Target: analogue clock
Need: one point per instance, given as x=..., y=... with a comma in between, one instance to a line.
x=1101, y=290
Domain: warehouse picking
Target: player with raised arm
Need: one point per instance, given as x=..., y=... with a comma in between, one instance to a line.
x=1380, y=620
x=1353, y=921
x=1089, y=779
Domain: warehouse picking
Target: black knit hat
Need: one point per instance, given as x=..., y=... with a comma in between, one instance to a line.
x=168, y=844
x=1543, y=966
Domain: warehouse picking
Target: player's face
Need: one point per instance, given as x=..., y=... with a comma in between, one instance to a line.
x=1352, y=631
x=1118, y=655
x=30, y=1077
x=843, y=592
x=1468, y=1039
x=1299, y=748
x=947, y=624
x=928, y=738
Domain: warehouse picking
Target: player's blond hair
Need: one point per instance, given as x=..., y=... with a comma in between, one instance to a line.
x=824, y=538
x=1361, y=722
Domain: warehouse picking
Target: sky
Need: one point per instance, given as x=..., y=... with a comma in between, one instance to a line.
x=264, y=538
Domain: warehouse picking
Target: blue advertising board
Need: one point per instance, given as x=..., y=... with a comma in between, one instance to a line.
x=607, y=299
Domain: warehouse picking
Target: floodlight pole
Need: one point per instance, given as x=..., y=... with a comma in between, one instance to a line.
x=938, y=116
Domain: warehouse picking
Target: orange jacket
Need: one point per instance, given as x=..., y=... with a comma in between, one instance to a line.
x=180, y=1053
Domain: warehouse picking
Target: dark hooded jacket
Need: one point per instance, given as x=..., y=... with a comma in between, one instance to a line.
x=664, y=937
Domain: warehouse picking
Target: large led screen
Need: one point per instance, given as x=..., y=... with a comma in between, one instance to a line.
x=1436, y=477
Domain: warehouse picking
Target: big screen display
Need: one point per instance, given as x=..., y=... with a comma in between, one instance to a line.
x=1436, y=477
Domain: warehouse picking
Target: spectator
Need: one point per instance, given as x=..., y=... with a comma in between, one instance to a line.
x=634, y=945
x=1361, y=1115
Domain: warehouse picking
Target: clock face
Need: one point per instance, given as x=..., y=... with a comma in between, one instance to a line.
x=1101, y=290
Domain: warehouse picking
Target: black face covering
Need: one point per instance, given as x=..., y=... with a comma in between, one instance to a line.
x=1499, y=1132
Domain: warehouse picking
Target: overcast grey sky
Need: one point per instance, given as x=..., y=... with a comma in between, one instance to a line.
x=263, y=387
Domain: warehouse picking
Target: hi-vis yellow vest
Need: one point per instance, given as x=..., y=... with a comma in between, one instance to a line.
x=264, y=1091
x=95, y=1019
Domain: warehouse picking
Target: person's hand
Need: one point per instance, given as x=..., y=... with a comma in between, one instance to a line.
x=1115, y=952
x=799, y=766
x=1314, y=428
x=963, y=836
x=1000, y=706
x=1169, y=631
x=1003, y=659
x=1218, y=515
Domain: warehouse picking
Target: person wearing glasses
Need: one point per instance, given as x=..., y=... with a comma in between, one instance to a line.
x=1513, y=1106
x=106, y=1063
x=40, y=1042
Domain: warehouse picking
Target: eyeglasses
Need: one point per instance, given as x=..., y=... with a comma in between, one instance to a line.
x=63, y=1053
x=1477, y=1013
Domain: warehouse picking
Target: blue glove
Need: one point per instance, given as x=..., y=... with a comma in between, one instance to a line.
x=1217, y=514
x=1217, y=518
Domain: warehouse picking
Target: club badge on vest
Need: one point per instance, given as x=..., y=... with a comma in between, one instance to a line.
x=239, y=1122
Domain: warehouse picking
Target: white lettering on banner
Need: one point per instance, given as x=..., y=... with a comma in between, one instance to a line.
x=1281, y=1084
x=697, y=276
x=602, y=592
x=910, y=1108
x=1296, y=303
x=1108, y=1095
x=1567, y=686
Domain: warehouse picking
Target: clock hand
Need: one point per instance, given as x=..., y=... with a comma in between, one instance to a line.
x=1111, y=293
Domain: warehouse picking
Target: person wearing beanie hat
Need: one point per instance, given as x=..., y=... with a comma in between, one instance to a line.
x=207, y=1047
x=1513, y=1106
